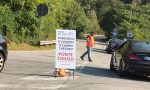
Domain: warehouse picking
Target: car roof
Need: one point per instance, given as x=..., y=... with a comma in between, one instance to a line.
x=116, y=39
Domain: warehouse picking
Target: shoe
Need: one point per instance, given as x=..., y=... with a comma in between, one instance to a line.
x=82, y=58
x=90, y=61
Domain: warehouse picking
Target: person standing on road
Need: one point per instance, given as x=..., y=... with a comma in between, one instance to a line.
x=89, y=45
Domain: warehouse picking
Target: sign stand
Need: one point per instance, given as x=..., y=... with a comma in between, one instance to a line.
x=69, y=72
x=65, y=52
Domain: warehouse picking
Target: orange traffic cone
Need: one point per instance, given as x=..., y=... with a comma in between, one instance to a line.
x=61, y=72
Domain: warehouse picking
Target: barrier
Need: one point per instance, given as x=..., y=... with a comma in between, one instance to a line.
x=47, y=42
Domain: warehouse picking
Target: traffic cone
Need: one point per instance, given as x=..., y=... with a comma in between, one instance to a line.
x=61, y=72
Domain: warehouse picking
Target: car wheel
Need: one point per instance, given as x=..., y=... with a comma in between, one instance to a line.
x=107, y=51
x=121, y=71
x=112, y=63
x=1, y=62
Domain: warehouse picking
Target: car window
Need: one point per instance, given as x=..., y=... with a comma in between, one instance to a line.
x=122, y=45
x=141, y=46
x=116, y=41
x=125, y=47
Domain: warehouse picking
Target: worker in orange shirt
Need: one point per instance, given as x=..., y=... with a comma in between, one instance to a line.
x=89, y=45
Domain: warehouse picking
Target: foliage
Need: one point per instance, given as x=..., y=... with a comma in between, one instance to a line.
x=90, y=11
x=25, y=26
x=128, y=17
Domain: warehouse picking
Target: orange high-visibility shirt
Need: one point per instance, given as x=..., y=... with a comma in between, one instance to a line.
x=90, y=41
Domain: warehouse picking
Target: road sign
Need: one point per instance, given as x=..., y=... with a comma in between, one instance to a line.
x=129, y=34
x=42, y=9
x=65, y=49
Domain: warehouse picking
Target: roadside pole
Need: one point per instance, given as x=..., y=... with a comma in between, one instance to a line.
x=42, y=10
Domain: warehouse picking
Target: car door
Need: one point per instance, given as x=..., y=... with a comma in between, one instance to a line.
x=122, y=51
x=118, y=53
x=117, y=57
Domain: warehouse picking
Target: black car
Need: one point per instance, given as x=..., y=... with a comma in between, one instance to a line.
x=3, y=52
x=112, y=43
x=132, y=56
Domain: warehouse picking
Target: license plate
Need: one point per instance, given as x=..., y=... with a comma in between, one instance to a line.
x=147, y=58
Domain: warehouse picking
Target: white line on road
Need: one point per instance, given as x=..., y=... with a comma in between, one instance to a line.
x=49, y=87
x=79, y=67
x=4, y=85
x=48, y=78
x=32, y=86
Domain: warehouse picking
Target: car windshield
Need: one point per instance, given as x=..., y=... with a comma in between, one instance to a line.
x=116, y=41
x=141, y=46
x=119, y=42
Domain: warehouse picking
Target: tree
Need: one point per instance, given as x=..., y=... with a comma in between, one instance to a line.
x=25, y=26
x=127, y=17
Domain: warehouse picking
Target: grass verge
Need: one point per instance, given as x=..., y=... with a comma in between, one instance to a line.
x=27, y=47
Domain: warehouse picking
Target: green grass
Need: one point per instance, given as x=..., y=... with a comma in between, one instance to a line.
x=27, y=47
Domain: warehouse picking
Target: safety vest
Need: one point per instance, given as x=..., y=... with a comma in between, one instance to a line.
x=90, y=41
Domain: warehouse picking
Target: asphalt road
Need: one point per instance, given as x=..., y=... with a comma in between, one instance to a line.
x=33, y=70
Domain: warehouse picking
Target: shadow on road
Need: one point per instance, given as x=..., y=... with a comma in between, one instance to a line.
x=103, y=72
x=99, y=50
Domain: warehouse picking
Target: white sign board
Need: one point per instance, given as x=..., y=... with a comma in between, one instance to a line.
x=65, y=49
x=129, y=34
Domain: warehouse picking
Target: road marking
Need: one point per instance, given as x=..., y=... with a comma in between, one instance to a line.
x=43, y=78
x=48, y=78
x=79, y=67
x=33, y=86
x=4, y=85
x=49, y=87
